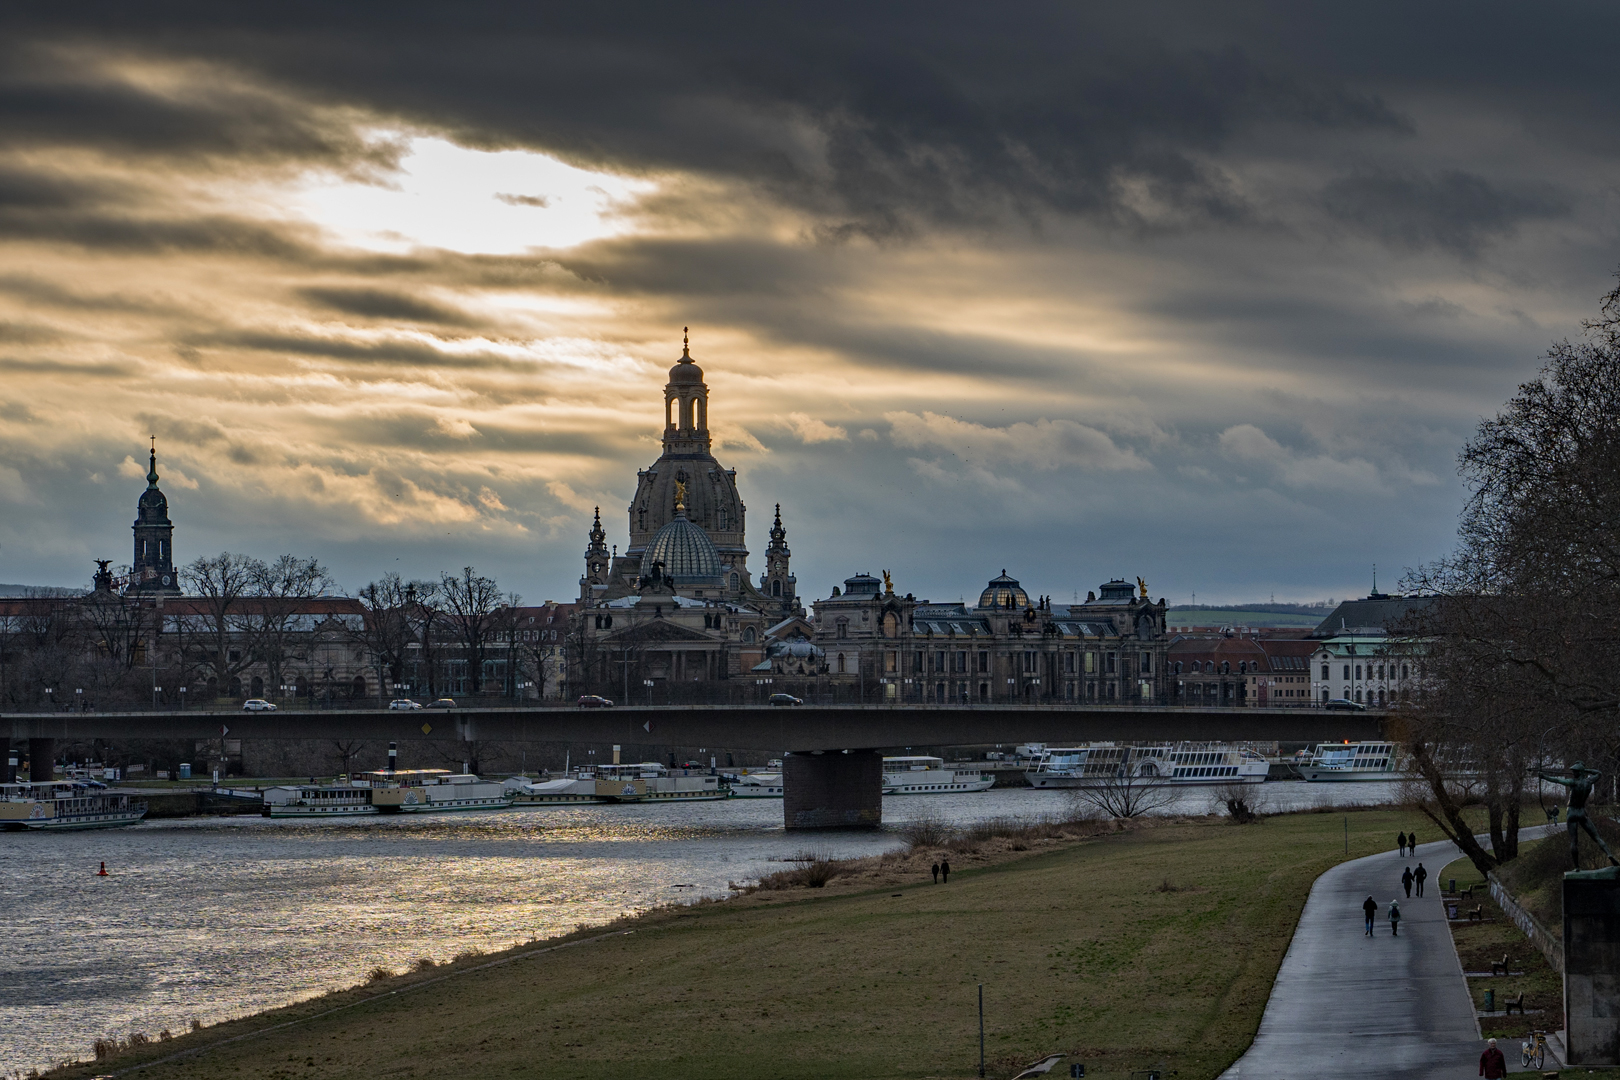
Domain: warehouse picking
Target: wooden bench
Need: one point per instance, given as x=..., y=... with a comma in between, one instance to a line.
x=1500, y=965
x=1509, y=1004
x=1477, y=914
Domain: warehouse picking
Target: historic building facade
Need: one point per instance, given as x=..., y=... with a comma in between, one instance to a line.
x=678, y=610
x=867, y=642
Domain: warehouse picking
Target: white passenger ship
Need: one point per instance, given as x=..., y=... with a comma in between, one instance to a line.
x=762, y=785
x=922, y=775
x=433, y=791
x=651, y=782
x=1340, y=762
x=343, y=799
x=57, y=805
x=1177, y=764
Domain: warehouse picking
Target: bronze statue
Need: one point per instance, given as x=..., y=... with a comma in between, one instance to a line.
x=680, y=494
x=888, y=583
x=1580, y=783
x=1140, y=584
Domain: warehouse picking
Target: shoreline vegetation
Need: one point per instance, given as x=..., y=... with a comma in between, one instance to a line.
x=1130, y=944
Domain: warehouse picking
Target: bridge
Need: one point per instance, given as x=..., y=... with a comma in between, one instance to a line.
x=832, y=753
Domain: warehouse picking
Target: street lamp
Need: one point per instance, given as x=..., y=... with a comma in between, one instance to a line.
x=49, y=700
x=78, y=698
x=182, y=699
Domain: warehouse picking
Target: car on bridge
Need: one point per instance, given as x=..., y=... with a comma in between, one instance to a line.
x=594, y=701
x=786, y=699
x=442, y=703
x=404, y=703
x=256, y=704
x=1344, y=705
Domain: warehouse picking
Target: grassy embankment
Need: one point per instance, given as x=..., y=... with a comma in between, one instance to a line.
x=1155, y=946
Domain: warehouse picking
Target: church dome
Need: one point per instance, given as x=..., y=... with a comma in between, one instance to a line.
x=685, y=371
x=1002, y=592
x=686, y=552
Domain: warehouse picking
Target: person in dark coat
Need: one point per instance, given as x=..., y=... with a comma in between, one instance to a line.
x=945, y=870
x=1411, y=843
x=936, y=873
x=1492, y=1065
x=1394, y=918
x=1400, y=838
x=1420, y=877
x=1371, y=909
x=1406, y=880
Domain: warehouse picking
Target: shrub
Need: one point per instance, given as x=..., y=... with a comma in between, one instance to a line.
x=424, y=963
x=930, y=830
x=378, y=974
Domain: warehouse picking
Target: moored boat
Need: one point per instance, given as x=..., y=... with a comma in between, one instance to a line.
x=57, y=805
x=648, y=781
x=352, y=799
x=1341, y=762
x=433, y=791
x=561, y=791
x=1177, y=764
x=919, y=774
x=761, y=785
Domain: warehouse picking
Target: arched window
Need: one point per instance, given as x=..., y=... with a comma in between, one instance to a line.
x=1178, y=667
x=734, y=583
x=1380, y=697
x=1358, y=693
x=1324, y=694
x=776, y=588
x=1404, y=670
x=840, y=655
x=843, y=632
x=748, y=635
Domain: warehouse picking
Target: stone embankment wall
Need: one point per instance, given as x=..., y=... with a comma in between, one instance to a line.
x=1549, y=944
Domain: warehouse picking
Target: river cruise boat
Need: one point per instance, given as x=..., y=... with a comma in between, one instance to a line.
x=759, y=785
x=351, y=799
x=433, y=791
x=651, y=782
x=561, y=791
x=922, y=775
x=1340, y=762
x=58, y=805
x=1178, y=764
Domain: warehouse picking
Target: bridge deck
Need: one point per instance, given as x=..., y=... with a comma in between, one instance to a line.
x=809, y=727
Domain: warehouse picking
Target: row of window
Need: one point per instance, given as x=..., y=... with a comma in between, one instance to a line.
x=1405, y=669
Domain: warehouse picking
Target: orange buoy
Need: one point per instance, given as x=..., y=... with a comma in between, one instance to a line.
x=103, y=871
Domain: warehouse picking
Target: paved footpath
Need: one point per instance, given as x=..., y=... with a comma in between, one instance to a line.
x=1345, y=1004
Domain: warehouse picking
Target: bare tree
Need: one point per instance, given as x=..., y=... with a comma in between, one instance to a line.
x=212, y=634
x=472, y=605
x=387, y=631
x=1527, y=611
x=277, y=624
x=1123, y=795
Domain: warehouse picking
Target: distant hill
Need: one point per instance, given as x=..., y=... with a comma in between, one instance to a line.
x=1305, y=616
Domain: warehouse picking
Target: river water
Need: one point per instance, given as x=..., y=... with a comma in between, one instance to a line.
x=212, y=918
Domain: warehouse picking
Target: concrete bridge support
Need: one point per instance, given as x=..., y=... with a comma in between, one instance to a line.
x=42, y=760
x=832, y=789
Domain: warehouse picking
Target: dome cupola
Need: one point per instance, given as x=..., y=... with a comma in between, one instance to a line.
x=1003, y=592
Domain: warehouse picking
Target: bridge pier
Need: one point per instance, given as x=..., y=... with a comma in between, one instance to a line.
x=832, y=789
x=42, y=760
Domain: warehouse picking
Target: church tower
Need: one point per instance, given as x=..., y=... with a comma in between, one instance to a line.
x=597, y=560
x=152, y=569
x=777, y=582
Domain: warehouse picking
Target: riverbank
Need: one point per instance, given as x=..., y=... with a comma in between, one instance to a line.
x=1151, y=947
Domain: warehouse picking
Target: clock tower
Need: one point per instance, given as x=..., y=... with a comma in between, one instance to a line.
x=152, y=569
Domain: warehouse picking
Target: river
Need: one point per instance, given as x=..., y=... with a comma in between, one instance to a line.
x=210, y=918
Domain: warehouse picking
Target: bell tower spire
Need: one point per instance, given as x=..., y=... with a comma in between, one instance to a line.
x=152, y=568
x=686, y=404
x=778, y=581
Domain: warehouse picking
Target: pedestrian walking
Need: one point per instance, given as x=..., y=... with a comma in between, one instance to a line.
x=945, y=870
x=1411, y=843
x=1400, y=838
x=1371, y=910
x=936, y=873
x=1420, y=877
x=1492, y=1065
x=1406, y=880
x=1394, y=918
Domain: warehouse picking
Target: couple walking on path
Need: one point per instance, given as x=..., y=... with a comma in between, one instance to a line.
x=1370, y=907
x=940, y=868
x=1407, y=842
x=1408, y=879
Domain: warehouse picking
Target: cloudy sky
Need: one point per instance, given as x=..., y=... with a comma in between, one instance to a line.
x=1212, y=297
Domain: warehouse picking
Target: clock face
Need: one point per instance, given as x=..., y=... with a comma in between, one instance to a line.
x=165, y=579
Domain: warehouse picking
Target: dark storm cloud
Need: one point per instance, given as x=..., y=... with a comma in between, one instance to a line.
x=393, y=351
x=385, y=305
x=870, y=114
x=1454, y=210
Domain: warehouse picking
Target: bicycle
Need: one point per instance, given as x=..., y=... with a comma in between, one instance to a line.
x=1533, y=1054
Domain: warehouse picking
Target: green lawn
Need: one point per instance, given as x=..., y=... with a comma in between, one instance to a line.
x=1152, y=947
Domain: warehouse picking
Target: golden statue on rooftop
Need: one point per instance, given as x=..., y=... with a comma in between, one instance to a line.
x=680, y=495
x=1140, y=584
x=888, y=583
